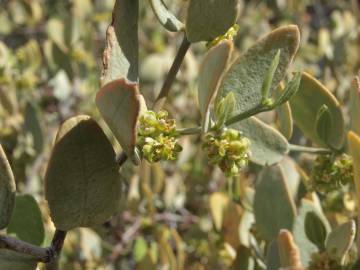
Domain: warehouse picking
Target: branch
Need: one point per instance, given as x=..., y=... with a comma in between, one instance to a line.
x=47, y=255
x=164, y=92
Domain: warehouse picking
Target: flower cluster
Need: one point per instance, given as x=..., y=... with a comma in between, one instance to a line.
x=323, y=261
x=228, y=149
x=330, y=173
x=157, y=137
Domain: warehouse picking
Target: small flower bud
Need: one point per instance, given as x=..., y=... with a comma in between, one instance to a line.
x=227, y=149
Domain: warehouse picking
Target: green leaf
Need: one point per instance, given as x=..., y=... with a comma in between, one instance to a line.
x=292, y=175
x=284, y=115
x=210, y=73
x=291, y=89
x=269, y=76
x=274, y=207
x=305, y=245
x=305, y=105
x=273, y=256
x=267, y=146
x=165, y=17
x=323, y=124
x=119, y=103
x=121, y=55
x=315, y=229
x=208, y=19
x=16, y=261
x=340, y=240
x=224, y=110
x=246, y=75
x=26, y=221
x=355, y=106
x=82, y=182
x=140, y=249
x=7, y=190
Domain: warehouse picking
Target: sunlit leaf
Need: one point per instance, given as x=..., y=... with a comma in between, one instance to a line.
x=246, y=75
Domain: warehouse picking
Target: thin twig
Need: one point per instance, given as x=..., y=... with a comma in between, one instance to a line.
x=55, y=249
x=170, y=78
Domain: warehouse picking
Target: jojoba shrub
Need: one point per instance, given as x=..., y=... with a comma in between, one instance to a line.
x=238, y=150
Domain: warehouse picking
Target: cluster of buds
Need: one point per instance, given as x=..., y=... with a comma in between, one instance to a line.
x=323, y=261
x=157, y=137
x=329, y=173
x=228, y=149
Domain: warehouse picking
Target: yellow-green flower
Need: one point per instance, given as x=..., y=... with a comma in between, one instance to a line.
x=227, y=149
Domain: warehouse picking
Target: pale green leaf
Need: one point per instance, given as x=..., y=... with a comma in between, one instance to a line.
x=247, y=74
x=165, y=17
x=305, y=105
x=119, y=103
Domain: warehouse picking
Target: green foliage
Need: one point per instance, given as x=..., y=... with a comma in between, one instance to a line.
x=26, y=221
x=82, y=169
x=259, y=169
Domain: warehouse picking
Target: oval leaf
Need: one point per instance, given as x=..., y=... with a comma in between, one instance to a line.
x=119, y=103
x=121, y=55
x=315, y=229
x=26, y=221
x=210, y=73
x=165, y=17
x=208, y=19
x=305, y=105
x=307, y=248
x=82, y=182
x=267, y=146
x=247, y=74
x=340, y=240
x=274, y=207
x=7, y=190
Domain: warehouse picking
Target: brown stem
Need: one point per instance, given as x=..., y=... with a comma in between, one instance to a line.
x=47, y=255
x=164, y=92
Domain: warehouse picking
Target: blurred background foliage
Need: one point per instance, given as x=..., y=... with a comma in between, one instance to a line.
x=173, y=214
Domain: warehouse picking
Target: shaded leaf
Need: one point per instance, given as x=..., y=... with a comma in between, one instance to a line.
x=305, y=105
x=7, y=190
x=119, y=103
x=323, y=124
x=274, y=207
x=82, y=182
x=246, y=75
x=315, y=229
x=165, y=17
x=267, y=146
x=33, y=126
x=121, y=55
x=243, y=260
x=208, y=19
x=273, y=256
x=16, y=261
x=210, y=73
x=26, y=221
